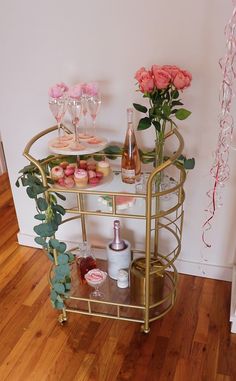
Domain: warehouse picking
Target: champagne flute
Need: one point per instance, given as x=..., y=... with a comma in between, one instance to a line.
x=58, y=105
x=84, y=135
x=94, y=102
x=74, y=108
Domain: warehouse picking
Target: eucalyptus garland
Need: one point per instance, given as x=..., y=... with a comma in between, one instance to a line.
x=49, y=214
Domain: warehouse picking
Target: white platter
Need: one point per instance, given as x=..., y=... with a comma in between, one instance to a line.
x=88, y=147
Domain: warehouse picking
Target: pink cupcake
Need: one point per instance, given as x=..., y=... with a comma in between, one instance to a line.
x=57, y=173
x=81, y=178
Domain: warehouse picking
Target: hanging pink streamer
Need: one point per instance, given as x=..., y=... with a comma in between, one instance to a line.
x=220, y=168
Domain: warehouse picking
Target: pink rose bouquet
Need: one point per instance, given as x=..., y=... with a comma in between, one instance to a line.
x=162, y=85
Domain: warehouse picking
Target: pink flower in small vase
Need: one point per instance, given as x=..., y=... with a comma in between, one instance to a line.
x=75, y=92
x=145, y=80
x=91, y=89
x=161, y=77
x=58, y=90
x=182, y=80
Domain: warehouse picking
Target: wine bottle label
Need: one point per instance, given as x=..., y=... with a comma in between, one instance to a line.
x=129, y=173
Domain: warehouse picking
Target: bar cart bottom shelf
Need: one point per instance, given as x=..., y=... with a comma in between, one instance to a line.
x=117, y=302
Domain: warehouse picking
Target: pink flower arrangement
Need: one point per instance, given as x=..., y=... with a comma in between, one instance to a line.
x=58, y=90
x=160, y=77
x=162, y=85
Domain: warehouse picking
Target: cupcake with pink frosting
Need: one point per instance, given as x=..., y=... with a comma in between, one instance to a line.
x=57, y=173
x=80, y=177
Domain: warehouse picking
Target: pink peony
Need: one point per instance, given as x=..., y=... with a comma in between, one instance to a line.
x=145, y=80
x=161, y=77
x=182, y=80
x=91, y=89
x=58, y=90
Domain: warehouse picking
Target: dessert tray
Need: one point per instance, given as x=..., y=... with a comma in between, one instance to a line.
x=89, y=145
x=103, y=181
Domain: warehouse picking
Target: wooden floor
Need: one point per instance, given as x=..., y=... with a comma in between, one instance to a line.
x=192, y=343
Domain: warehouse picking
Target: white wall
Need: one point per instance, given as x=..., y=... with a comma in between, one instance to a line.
x=46, y=41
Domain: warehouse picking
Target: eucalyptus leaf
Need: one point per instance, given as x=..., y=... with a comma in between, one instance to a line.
x=50, y=257
x=42, y=204
x=40, y=241
x=62, y=269
x=189, y=163
x=59, y=298
x=116, y=150
x=28, y=168
x=24, y=181
x=61, y=196
x=62, y=259
x=53, y=295
x=68, y=286
x=31, y=192
x=54, y=243
x=17, y=183
x=59, y=305
x=44, y=230
x=70, y=256
x=59, y=209
x=59, y=288
x=62, y=247
x=40, y=217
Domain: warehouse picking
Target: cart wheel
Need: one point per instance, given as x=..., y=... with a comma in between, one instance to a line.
x=62, y=319
x=144, y=330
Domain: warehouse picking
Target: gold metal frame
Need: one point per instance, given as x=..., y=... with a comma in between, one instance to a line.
x=167, y=220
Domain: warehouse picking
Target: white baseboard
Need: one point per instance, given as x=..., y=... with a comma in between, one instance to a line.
x=205, y=270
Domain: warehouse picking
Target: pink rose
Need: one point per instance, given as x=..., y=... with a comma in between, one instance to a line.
x=75, y=92
x=161, y=77
x=58, y=90
x=171, y=69
x=91, y=89
x=139, y=73
x=188, y=77
x=145, y=80
x=182, y=80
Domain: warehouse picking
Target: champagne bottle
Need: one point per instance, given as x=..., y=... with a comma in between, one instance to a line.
x=118, y=253
x=117, y=244
x=130, y=163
